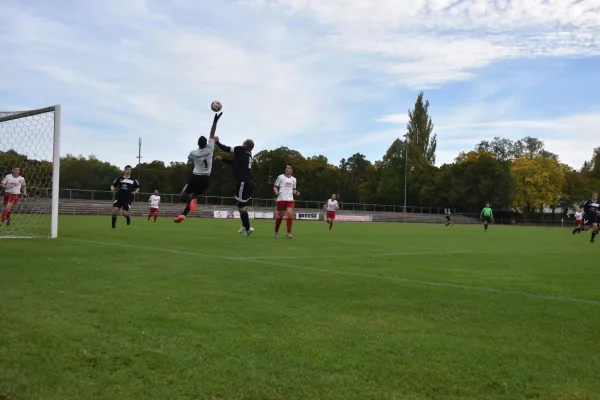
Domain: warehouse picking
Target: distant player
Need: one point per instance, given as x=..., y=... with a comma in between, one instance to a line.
x=126, y=187
x=487, y=216
x=331, y=207
x=153, y=203
x=12, y=184
x=590, y=215
x=285, y=189
x=448, y=218
x=200, y=178
x=244, y=180
x=578, y=221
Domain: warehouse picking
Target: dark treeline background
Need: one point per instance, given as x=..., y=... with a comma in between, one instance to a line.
x=509, y=174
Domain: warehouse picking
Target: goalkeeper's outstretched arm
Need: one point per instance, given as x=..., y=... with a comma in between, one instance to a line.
x=213, y=129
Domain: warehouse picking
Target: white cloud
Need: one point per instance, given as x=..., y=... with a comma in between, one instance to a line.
x=426, y=43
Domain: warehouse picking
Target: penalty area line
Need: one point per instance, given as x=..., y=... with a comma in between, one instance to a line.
x=540, y=296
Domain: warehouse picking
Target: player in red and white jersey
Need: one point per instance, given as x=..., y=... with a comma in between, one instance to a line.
x=285, y=189
x=153, y=203
x=12, y=184
x=578, y=221
x=331, y=207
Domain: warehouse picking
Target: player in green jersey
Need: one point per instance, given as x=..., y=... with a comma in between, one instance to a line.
x=487, y=215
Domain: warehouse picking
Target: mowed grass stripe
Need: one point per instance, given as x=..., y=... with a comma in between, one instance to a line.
x=263, y=261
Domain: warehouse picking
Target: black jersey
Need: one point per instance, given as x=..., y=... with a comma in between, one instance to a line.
x=125, y=186
x=242, y=162
x=591, y=207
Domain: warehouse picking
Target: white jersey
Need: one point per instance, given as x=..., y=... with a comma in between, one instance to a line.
x=203, y=158
x=287, y=187
x=332, y=205
x=578, y=216
x=12, y=184
x=154, y=201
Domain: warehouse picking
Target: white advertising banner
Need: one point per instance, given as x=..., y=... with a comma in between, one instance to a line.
x=221, y=214
x=263, y=215
x=354, y=218
x=309, y=216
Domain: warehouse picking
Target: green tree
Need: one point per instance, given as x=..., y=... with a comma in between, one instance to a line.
x=537, y=180
x=422, y=144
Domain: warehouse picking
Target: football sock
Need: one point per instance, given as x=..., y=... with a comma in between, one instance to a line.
x=186, y=210
x=149, y=215
x=128, y=218
x=289, y=224
x=575, y=230
x=594, y=233
x=330, y=225
x=155, y=217
x=486, y=227
x=245, y=219
x=114, y=221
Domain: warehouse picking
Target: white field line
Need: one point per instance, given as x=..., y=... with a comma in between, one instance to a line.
x=259, y=260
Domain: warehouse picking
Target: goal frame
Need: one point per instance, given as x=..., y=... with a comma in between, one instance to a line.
x=55, y=156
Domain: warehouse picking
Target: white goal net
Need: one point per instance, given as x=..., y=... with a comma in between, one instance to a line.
x=30, y=158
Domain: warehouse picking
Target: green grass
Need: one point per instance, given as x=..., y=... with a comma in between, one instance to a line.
x=366, y=311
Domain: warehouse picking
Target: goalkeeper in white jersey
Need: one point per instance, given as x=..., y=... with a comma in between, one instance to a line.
x=199, y=180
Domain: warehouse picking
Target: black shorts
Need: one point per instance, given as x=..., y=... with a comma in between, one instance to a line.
x=196, y=184
x=590, y=219
x=123, y=202
x=243, y=191
x=487, y=219
x=448, y=218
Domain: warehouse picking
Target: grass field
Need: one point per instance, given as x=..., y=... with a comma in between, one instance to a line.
x=366, y=311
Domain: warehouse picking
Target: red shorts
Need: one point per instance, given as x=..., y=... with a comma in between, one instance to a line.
x=284, y=205
x=579, y=222
x=11, y=198
x=330, y=215
x=153, y=210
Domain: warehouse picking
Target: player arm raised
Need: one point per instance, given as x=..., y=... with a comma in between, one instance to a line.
x=213, y=129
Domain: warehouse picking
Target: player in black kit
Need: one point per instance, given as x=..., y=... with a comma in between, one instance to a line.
x=590, y=215
x=244, y=181
x=126, y=187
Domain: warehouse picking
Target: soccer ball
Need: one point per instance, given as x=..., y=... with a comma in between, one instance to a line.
x=216, y=106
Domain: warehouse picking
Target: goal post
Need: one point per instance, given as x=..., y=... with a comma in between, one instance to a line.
x=30, y=141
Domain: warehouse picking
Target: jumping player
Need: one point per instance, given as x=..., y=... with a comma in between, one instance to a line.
x=578, y=221
x=331, y=207
x=12, y=185
x=200, y=179
x=448, y=218
x=127, y=187
x=153, y=203
x=244, y=180
x=487, y=215
x=285, y=189
x=590, y=212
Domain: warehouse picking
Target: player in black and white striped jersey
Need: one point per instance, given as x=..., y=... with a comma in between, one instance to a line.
x=200, y=178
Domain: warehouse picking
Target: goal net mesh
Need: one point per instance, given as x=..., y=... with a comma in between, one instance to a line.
x=27, y=143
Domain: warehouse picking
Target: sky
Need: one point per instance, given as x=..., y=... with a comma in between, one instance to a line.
x=331, y=77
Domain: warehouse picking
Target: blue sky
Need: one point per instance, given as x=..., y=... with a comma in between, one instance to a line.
x=331, y=77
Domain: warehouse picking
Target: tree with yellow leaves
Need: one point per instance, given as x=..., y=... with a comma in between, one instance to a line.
x=537, y=181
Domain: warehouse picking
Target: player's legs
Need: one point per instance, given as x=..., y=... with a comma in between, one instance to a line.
x=486, y=221
x=115, y=212
x=594, y=231
x=290, y=217
x=155, y=214
x=6, y=211
x=126, y=208
x=243, y=194
x=578, y=226
x=279, y=216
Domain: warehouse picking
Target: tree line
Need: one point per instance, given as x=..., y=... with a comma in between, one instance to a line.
x=509, y=174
